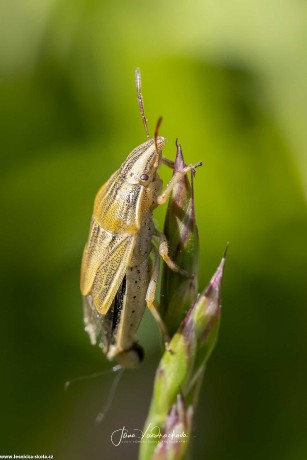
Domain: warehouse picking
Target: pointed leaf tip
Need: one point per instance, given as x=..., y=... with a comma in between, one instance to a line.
x=226, y=250
x=216, y=280
x=179, y=160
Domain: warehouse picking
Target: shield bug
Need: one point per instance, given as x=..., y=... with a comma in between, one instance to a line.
x=118, y=276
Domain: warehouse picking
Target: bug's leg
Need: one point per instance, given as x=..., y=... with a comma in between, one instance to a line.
x=150, y=299
x=169, y=163
x=176, y=177
x=163, y=251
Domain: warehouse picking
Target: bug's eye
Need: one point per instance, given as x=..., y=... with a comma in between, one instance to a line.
x=144, y=177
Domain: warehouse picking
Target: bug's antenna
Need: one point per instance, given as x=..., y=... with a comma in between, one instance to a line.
x=138, y=83
x=156, y=138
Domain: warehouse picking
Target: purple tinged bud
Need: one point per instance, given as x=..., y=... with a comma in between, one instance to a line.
x=201, y=325
x=181, y=369
x=213, y=291
x=175, y=432
x=178, y=292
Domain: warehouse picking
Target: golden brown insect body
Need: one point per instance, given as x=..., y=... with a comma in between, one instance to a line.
x=116, y=266
x=117, y=274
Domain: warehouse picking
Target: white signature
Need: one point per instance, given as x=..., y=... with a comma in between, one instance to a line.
x=123, y=435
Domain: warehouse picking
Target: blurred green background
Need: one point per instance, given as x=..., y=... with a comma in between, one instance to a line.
x=229, y=79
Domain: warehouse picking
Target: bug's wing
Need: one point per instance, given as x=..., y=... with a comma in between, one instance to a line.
x=117, y=205
x=95, y=250
x=104, y=263
x=93, y=321
x=103, y=326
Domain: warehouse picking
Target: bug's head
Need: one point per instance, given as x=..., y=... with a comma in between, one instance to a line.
x=131, y=358
x=142, y=163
